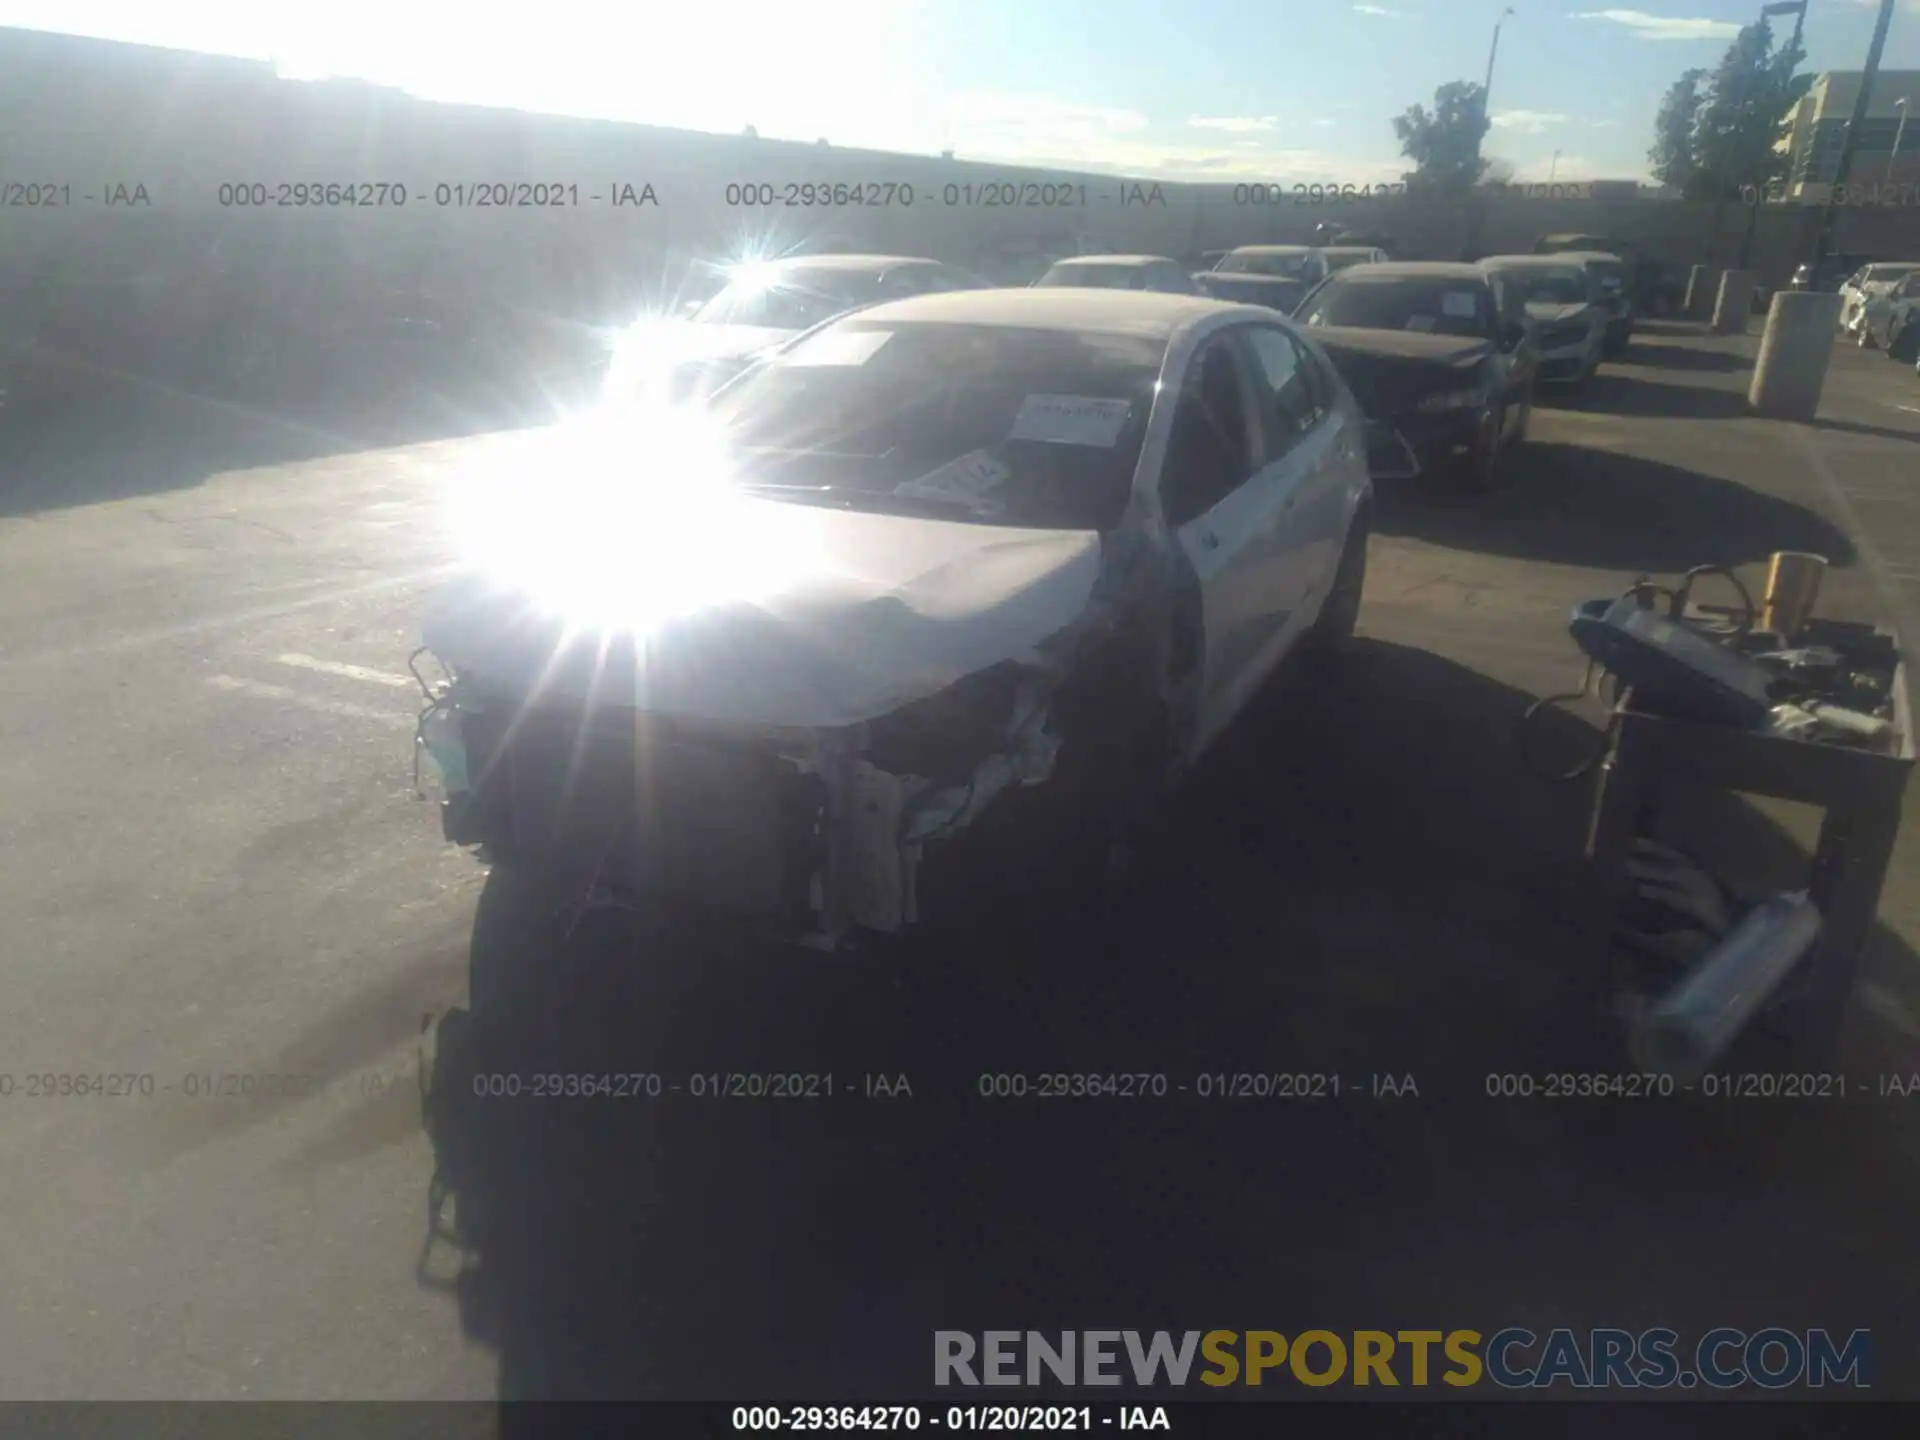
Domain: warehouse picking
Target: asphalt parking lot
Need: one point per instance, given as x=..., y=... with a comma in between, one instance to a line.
x=216, y=867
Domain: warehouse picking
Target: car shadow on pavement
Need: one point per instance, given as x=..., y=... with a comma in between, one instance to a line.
x=1607, y=510
x=1681, y=357
x=129, y=437
x=1618, y=392
x=1878, y=432
x=1364, y=883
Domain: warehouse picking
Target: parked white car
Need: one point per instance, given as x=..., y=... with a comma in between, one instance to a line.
x=1863, y=286
x=1890, y=320
x=938, y=597
x=1120, y=272
x=763, y=305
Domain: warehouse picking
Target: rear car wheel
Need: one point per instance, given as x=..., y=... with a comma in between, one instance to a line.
x=1481, y=471
x=1904, y=343
x=1340, y=612
x=1863, y=337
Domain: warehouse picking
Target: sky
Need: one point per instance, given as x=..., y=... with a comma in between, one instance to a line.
x=1288, y=91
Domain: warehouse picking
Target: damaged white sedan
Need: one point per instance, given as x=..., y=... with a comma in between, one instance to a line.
x=946, y=592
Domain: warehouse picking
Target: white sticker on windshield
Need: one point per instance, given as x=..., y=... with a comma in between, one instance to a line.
x=1422, y=323
x=1459, y=304
x=839, y=347
x=1070, y=420
x=967, y=479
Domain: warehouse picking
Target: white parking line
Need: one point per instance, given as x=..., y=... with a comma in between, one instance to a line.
x=311, y=702
x=352, y=672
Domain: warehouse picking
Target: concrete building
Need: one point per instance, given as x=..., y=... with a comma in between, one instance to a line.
x=1818, y=126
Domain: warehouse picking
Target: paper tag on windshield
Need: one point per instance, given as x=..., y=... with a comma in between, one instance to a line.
x=839, y=347
x=1422, y=323
x=1458, y=303
x=1070, y=420
x=970, y=478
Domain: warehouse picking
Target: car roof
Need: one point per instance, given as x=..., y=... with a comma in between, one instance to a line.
x=1116, y=261
x=1273, y=249
x=849, y=262
x=1410, y=269
x=1141, y=313
x=1604, y=257
x=1347, y=249
x=1557, y=261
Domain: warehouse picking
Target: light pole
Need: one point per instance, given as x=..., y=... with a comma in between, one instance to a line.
x=1486, y=90
x=1899, y=133
x=1554, y=168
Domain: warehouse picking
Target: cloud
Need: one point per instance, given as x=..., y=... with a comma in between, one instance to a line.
x=1663, y=27
x=1323, y=123
x=1235, y=124
x=1527, y=122
x=1376, y=10
x=1606, y=124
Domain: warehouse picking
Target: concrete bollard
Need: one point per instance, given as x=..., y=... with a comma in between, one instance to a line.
x=1703, y=283
x=1794, y=349
x=1735, y=301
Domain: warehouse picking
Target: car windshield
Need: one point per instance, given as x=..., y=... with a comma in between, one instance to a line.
x=793, y=299
x=1610, y=274
x=1000, y=424
x=1290, y=266
x=1884, y=274
x=1098, y=277
x=1531, y=285
x=1428, y=304
x=1342, y=259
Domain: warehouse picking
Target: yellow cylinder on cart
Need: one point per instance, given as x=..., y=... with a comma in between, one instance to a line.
x=1793, y=585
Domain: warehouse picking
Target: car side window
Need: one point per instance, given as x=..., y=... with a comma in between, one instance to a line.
x=1287, y=388
x=1210, y=449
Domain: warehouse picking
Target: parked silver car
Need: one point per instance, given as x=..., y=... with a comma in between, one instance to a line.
x=1565, y=306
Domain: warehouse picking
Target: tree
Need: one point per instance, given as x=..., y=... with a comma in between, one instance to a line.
x=1713, y=142
x=1499, y=172
x=1444, y=144
x=1674, y=126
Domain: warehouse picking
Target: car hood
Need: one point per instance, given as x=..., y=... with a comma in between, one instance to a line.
x=675, y=341
x=1400, y=344
x=1389, y=371
x=868, y=612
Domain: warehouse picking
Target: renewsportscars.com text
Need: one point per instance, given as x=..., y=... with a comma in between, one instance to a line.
x=1513, y=1358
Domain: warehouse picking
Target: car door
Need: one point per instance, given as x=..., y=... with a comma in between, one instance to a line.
x=1227, y=526
x=1311, y=436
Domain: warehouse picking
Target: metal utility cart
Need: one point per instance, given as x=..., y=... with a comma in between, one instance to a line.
x=1860, y=790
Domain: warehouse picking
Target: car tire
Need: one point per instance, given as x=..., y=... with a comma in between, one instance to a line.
x=1904, y=344
x=1339, y=614
x=1863, y=337
x=1481, y=472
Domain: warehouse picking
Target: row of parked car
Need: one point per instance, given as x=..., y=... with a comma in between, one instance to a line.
x=1444, y=358
x=1880, y=309
x=991, y=568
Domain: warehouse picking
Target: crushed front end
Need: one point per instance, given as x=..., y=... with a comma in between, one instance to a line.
x=814, y=835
